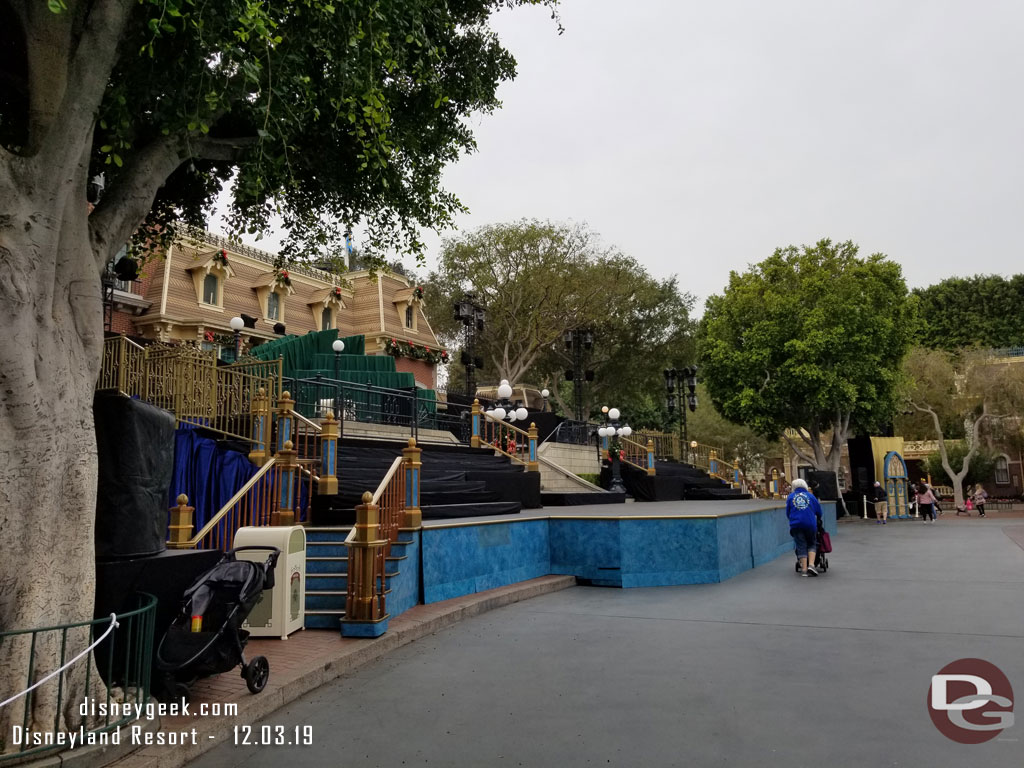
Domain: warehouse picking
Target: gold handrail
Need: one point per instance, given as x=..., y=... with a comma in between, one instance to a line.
x=252, y=512
x=506, y=439
x=395, y=466
x=388, y=503
x=634, y=453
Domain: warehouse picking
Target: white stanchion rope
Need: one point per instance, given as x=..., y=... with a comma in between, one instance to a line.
x=113, y=625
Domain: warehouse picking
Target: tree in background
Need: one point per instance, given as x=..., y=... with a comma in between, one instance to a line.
x=539, y=280
x=326, y=114
x=706, y=425
x=807, y=345
x=980, y=311
x=980, y=469
x=969, y=390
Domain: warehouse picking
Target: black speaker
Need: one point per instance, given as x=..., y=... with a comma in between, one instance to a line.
x=135, y=447
x=823, y=484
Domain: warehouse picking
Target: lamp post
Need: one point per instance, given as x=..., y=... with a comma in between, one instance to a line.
x=612, y=430
x=338, y=346
x=680, y=385
x=237, y=324
x=578, y=341
x=471, y=315
x=504, y=408
x=545, y=393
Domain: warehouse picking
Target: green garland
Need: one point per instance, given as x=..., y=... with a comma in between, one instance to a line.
x=397, y=348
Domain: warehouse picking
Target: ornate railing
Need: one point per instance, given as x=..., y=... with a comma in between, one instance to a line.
x=254, y=504
x=187, y=381
x=123, y=368
x=637, y=455
x=728, y=471
x=121, y=656
x=395, y=504
x=519, y=445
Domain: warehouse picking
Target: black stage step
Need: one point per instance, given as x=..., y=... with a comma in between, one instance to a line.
x=457, y=481
x=447, y=511
x=574, y=499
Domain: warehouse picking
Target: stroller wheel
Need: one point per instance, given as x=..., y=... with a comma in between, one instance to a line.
x=256, y=674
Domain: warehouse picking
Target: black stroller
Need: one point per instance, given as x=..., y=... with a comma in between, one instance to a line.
x=206, y=638
x=820, y=556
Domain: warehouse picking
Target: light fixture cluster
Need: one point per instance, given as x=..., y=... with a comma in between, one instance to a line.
x=505, y=409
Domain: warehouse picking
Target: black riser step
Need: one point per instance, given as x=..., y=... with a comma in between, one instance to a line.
x=447, y=511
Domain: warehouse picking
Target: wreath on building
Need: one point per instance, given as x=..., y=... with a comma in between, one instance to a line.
x=223, y=339
x=282, y=278
x=397, y=348
x=417, y=292
x=221, y=258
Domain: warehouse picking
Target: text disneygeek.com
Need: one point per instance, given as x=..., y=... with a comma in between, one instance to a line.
x=97, y=714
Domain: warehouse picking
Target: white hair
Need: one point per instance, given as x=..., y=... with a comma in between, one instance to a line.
x=800, y=483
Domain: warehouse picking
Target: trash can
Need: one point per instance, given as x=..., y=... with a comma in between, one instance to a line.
x=281, y=610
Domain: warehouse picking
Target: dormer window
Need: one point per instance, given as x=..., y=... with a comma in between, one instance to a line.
x=409, y=317
x=326, y=319
x=209, y=271
x=273, y=306
x=211, y=289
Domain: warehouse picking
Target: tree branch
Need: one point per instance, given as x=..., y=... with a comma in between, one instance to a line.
x=125, y=206
x=88, y=72
x=224, y=150
x=800, y=454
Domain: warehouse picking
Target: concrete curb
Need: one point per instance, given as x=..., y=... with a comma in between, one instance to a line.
x=419, y=622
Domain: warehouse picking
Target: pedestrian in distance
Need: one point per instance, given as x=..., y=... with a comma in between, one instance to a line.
x=804, y=513
x=979, y=496
x=881, y=501
x=926, y=502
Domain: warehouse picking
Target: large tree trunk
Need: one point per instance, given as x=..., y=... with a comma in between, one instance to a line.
x=50, y=354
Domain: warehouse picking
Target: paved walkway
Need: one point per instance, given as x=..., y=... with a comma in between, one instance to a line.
x=766, y=669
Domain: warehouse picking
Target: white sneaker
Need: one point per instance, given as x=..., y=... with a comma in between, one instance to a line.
x=811, y=571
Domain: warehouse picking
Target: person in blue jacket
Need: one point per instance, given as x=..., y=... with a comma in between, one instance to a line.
x=804, y=513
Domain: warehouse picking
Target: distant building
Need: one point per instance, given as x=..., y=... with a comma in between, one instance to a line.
x=205, y=280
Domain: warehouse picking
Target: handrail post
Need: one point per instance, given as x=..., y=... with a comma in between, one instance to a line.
x=363, y=613
x=285, y=420
x=413, y=516
x=122, y=366
x=474, y=440
x=328, y=485
x=775, y=483
x=287, y=464
x=260, y=416
x=533, y=465
x=713, y=462
x=650, y=456
x=180, y=529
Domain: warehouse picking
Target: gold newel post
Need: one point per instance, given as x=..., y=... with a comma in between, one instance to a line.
x=361, y=603
x=413, y=516
x=180, y=529
x=260, y=414
x=775, y=483
x=650, y=456
x=285, y=420
x=474, y=441
x=287, y=463
x=533, y=465
x=328, y=485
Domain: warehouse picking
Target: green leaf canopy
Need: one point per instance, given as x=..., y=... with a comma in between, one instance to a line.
x=807, y=340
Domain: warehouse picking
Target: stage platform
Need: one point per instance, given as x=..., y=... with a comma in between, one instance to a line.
x=634, y=545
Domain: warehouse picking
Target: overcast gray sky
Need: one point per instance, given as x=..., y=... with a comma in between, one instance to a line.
x=699, y=136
